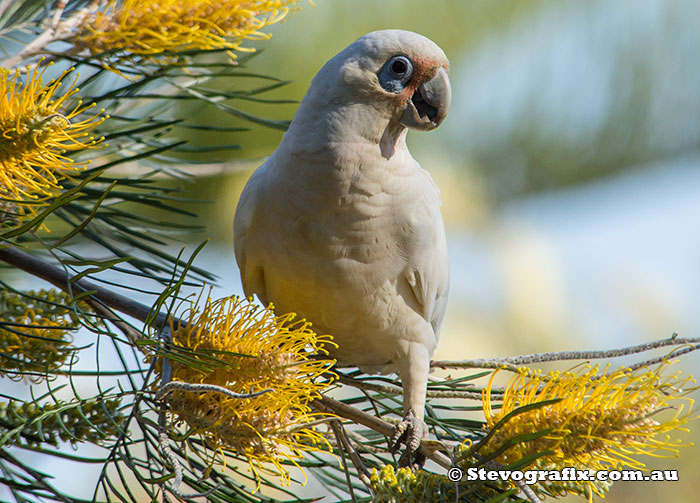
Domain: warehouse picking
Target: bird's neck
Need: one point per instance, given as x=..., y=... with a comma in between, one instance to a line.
x=341, y=128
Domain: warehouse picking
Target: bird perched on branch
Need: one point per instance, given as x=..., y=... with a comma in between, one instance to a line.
x=342, y=226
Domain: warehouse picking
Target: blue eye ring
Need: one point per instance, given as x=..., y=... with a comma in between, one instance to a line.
x=395, y=74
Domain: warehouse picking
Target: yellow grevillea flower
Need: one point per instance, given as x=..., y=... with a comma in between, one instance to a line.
x=267, y=428
x=37, y=128
x=159, y=26
x=602, y=421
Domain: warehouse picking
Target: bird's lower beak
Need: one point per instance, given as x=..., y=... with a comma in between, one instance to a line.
x=429, y=104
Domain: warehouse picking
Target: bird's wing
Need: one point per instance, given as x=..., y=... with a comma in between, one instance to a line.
x=427, y=269
x=252, y=273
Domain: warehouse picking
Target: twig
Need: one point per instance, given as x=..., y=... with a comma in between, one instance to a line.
x=676, y=352
x=362, y=471
x=327, y=404
x=57, y=30
x=60, y=7
x=362, y=443
x=336, y=426
x=512, y=362
x=131, y=333
x=395, y=390
x=164, y=444
x=164, y=439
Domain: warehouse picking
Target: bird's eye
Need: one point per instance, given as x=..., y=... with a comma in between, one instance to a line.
x=395, y=74
x=399, y=66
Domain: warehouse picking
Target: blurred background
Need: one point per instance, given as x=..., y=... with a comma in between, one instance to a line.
x=568, y=167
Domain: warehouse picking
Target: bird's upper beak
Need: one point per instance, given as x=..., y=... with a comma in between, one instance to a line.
x=429, y=104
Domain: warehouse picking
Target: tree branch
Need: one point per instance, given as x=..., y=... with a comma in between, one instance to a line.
x=327, y=404
x=60, y=279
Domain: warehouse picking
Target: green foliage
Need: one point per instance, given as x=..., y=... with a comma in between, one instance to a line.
x=119, y=222
x=33, y=425
x=392, y=487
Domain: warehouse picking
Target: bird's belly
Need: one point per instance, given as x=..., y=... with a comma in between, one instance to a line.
x=351, y=295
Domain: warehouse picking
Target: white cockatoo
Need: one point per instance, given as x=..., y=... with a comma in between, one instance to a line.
x=341, y=224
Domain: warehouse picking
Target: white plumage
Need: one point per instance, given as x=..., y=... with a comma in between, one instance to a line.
x=342, y=226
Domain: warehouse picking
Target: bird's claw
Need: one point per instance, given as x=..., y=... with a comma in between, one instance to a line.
x=410, y=432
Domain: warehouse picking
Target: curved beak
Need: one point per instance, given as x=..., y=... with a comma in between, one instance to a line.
x=429, y=104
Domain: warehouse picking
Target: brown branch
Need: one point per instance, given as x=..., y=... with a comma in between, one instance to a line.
x=327, y=404
x=107, y=314
x=61, y=279
x=342, y=436
x=337, y=427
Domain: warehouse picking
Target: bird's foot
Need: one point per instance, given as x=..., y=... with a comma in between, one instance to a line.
x=410, y=432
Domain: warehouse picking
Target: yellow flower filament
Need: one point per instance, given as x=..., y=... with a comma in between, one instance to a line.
x=266, y=428
x=602, y=421
x=152, y=28
x=36, y=130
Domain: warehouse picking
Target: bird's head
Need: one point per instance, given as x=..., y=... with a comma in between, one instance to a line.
x=405, y=72
x=388, y=79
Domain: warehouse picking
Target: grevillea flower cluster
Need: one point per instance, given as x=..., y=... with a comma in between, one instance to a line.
x=591, y=420
x=38, y=126
x=600, y=420
x=35, y=332
x=158, y=28
x=237, y=345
